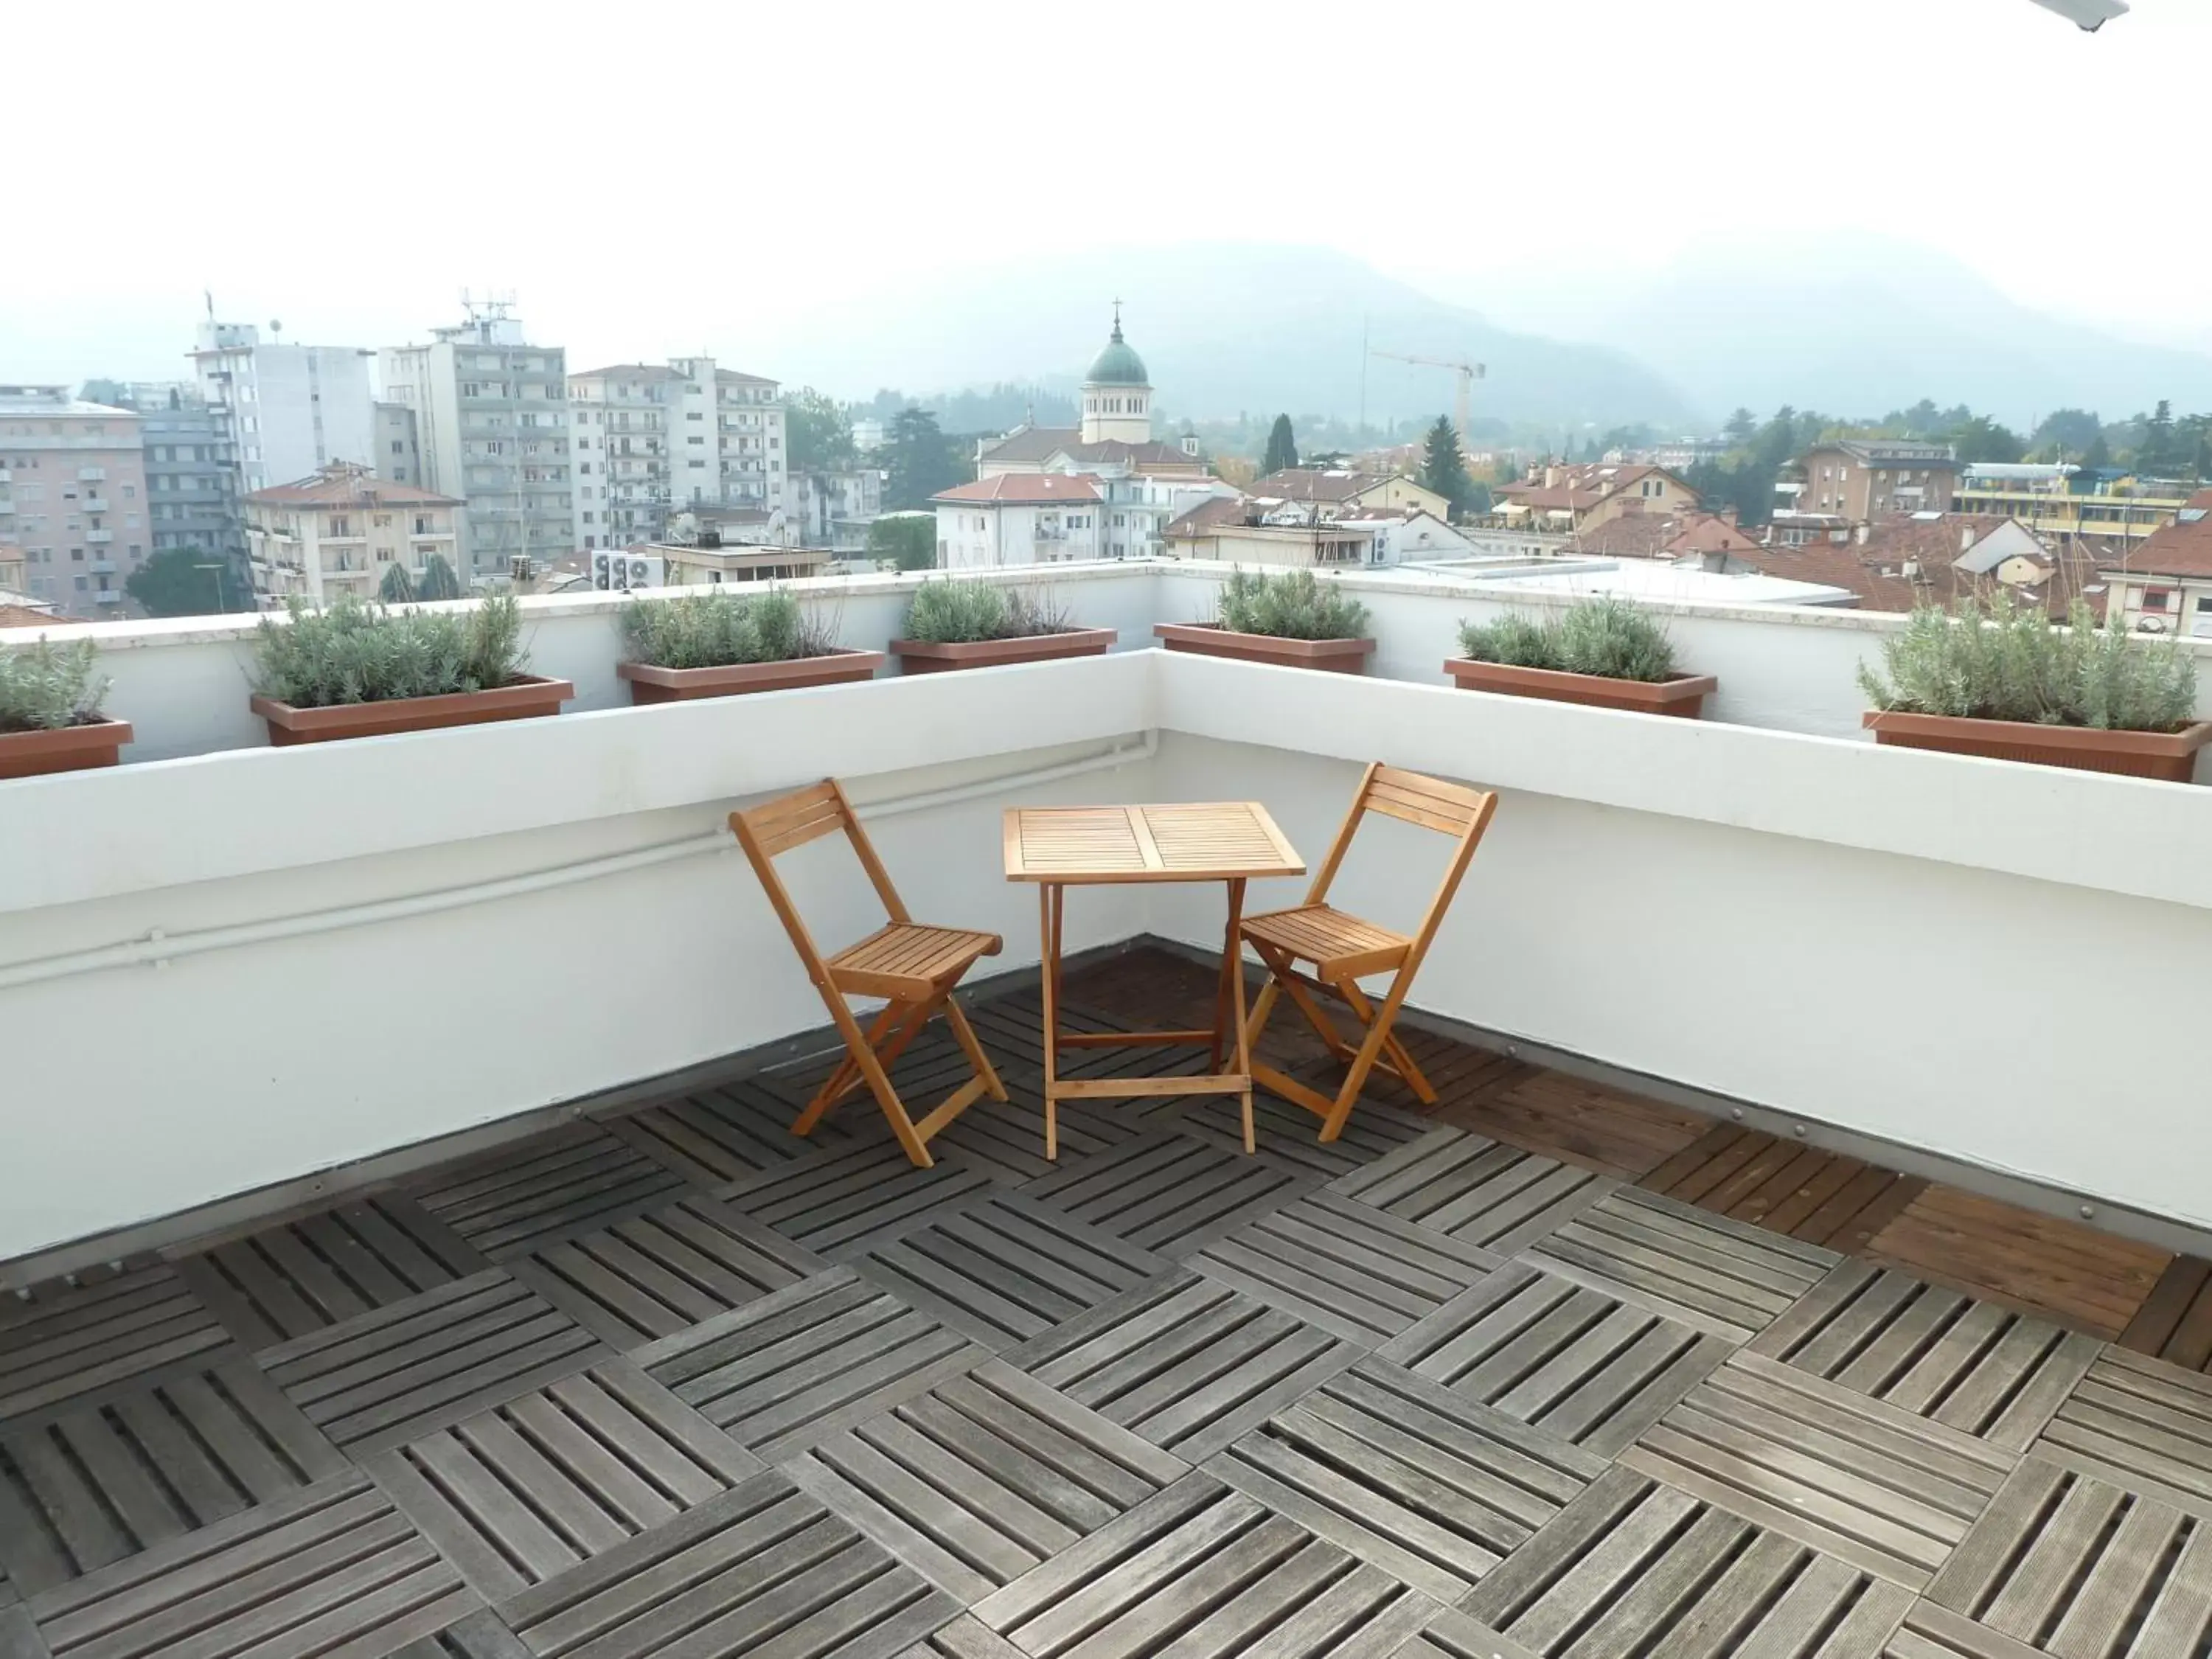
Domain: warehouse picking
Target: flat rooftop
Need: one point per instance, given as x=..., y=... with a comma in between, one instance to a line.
x=1555, y=1370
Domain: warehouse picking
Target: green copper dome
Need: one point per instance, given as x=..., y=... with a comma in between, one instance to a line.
x=1119, y=364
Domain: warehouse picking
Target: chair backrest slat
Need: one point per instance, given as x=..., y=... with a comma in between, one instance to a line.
x=794, y=820
x=774, y=828
x=1427, y=802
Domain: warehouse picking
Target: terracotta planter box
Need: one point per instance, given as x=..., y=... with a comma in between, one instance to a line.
x=71, y=749
x=1207, y=640
x=925, y=656
x=525, y=698
x=651, y=684
x=1684, y=696
x=2168, y=755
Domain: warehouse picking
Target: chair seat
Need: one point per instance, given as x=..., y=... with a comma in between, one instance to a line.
x=909, y=961
x=1339, y=946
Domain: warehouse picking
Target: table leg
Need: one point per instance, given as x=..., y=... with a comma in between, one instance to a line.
x=1048, y=914
x=1232, y=951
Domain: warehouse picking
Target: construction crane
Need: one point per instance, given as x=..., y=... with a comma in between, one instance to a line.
x=1468, y=375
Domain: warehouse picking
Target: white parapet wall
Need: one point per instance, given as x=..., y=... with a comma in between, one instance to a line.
x=368, y=945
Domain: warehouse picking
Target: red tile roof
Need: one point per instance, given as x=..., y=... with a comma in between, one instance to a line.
x=2183, y=548
x=1025, y=489
x=1209, y=515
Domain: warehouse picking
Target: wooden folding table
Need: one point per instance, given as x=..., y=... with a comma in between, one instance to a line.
x=1063, y=846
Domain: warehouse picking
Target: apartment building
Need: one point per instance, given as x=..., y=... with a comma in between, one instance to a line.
x=1018, y=518
x=72, y=496
x=1580, y=498
x=834, y=509
x=649, y=440
x=398, y=446
x=281, y=410
x=2066, y=503
x=2163, y=584
x=491, y=429
x=340, y=530
x=1858, y=479
x=191, y=482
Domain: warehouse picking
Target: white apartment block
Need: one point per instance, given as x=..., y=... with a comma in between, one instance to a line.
x=1018, y=518
x=834, y=509
x=650, y=441
x=283, y=411
x=339, y=530
x=491, y=428
x=72, y=497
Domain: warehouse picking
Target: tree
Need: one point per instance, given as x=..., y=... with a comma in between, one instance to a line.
x=1443, y=467
x=919, y=462
x=2162, y=451
x=439, y=581
x=185, y=581
x=396, y=587
x=1282, y=447
x=1741, y=427
x=2069, y=431
x=908, y=540
x=1981, y=439
x=2099, y=453
x=816, y=431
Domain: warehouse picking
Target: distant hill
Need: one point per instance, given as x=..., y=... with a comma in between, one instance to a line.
x=1224, y=329
x=1854, y=324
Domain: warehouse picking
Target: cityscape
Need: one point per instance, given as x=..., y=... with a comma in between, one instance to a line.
x=1106, y=838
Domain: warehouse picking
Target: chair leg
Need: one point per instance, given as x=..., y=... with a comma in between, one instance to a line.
x=845, y=1078
x=879, y=1082
x=965, y=1035
x=1409, y=1073
x=1233, y=953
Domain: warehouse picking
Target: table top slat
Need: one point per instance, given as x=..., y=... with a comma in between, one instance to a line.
x=1188, y=841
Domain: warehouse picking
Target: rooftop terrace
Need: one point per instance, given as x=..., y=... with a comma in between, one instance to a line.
x=412, y=1255
x=1559, y=1370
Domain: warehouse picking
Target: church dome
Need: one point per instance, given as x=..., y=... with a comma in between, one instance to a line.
x=1119, y=364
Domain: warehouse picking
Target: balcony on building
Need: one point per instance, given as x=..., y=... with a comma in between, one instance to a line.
x=415, y=1257
x=99, y=537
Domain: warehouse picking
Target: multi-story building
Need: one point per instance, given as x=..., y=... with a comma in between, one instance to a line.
x=649, y=440
x=1580, y=498
x=399, y=449
x=1860, y=479
x=192, y=485
x=834, y=509
x=2063, y=503
x=1019, y=518
x=2163, y=585
x=283, y=410
x=340, y=530
x=1329, y=493
x=491, y=428
x=72, y=496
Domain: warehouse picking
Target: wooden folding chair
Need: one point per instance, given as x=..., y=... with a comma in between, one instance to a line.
x=1342, y=948
x=914, y=968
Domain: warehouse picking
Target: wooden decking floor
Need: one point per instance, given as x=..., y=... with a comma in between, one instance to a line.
x=1551, y=1371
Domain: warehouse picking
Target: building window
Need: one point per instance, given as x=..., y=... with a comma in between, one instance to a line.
x=2156, y=598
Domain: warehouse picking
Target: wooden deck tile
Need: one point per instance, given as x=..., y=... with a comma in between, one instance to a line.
x=76, y=1340
x=2141, y=1425
x=333, y=1570
x=1407, y=1476
x=726, y=1134
x=762, y=1569
x=392, y=1376
x=1719, y=1275
x=1006, y=1269
x=1170, y=1192
x=1634, y=1566
x=965, y=1639
x=2175, y=1321
x=1820, y=1197
x=984, y=1477
x=1967, y=1364
x=1218, y=1572
x=2063, y=1564
x=479, y=1635
x=663, y=1272
x=1289, y=1136
x=516, y=1495
x=1579, y=1122
x=1585, y=1367
x=792, y=1369
x=1477, y=1191
x=321, y=1270
x=839, y=1204
x=1351, y=1270
x=1889, y=1492
x=567, y=1180
x=2094, y=1281
x=1184, y=1361
x=89, y=1486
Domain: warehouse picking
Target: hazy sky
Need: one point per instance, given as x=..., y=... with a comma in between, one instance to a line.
x=675, y=176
